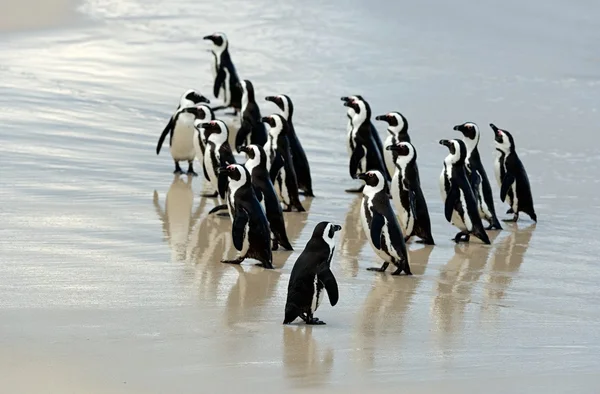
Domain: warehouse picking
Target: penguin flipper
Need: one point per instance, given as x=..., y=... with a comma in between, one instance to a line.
x=357, y=156
x=167, y=130
x=276, y=166
x=218, y=82
x=451, y=199
x=242, y=133
x=222, y=184
x=237, y=229
x=506, y=184
x=377, y=224
x=330, y=284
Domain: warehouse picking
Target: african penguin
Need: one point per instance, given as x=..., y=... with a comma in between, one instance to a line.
x=311, y=274
x=374, y=132
x=511, y=176
x=217, y=153
x=280, y=164
x=380, y=224
x=191, y=98
x=181, y=133
x=265, y=192
x=252, y=129
x=477, y=175
x=365, y=154
x=226, y=78
x=398, y=132
x=460, y=206
x=205, y=115
x=250, y=229
x=408, y=196
x=284, y=103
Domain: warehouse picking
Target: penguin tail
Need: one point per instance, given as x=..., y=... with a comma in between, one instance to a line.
x=533, y=216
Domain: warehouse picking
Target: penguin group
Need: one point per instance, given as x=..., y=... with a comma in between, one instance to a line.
x=276, y=172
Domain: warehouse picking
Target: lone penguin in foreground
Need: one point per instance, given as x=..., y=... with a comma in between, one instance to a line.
x=311, y=274
x=181, y=132
x=460, y=206
x=380, y=224
x=250, y=229
x=265, y=192
x=398, y=132
x=226, y=81
x=284, y=103
x=477, y=175
x=511, y=176
x=407, y=194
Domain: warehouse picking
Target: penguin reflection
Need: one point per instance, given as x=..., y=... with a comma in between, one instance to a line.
x=386, y=306
x=352, y=238
x=504, y=263
x=177, y=218
x=304, y=363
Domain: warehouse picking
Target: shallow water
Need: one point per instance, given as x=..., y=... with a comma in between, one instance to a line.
x=110, y=277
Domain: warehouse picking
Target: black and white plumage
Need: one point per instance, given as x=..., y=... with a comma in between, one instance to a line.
x=250, y=229
x=301, y=166
x=381, y=225
x=407, y=195
x=181, y=132
x=280, y=164
x=226, y=81
x=460, y=206
x=311, y=275
x=205, y=114
x=252, y=129
x=511, y=176
x=364, y=153
x=217, y=152
x=477, y=175
x=398, y=132
x=265, y=192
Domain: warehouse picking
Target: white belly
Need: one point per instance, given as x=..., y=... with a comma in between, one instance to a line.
x=226, y=91
x=316, y=298
x=497, y=165
x=363, y=218
x=388, y=154
x=282, y=191
x=182, y=144
x=246, y=242
x=211, y=171
x=349, y=139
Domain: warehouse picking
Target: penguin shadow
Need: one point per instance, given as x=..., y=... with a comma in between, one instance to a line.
x=505, y=262
x=177, y=218
x=385, y=308
x=352, y=239
x=305, y=364
x=249, y=297
x=455, y=286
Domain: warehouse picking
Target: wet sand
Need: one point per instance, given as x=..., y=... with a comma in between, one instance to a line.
x=110, y=278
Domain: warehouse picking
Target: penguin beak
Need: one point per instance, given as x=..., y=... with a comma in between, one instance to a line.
x=222, y=170
x=345, y=99
x=270, y=98
x=242, y=148
x=336, y=227
x=393, y=147
x=348, y=103
x=493, y=126
x=204, y=100
x=445, y=143
x=362, y=177
x=457, y=127
x=382, y=117
x=209, y=37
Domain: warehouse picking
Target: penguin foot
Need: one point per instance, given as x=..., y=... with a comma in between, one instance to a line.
x=236, y=261
x=382, y=269
x=462, y=237
x=178, y=169
x=209, y=195
x=358, y=190
x=192, y=173
x=315, y=321
x=514, y=219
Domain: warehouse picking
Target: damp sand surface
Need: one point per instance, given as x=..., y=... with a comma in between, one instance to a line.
x=110, y=278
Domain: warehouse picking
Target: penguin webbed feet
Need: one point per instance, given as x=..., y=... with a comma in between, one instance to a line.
x=357, y=190
x=235, y=261
x=402, y=266
x=494, y=225
x=178, y=170
x=381, y=269
x=314, y=321
x=462, y=237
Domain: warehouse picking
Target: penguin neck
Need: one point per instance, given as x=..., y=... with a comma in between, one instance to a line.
x=358, y=120
x=251, y=164
x=471, y=145
x=371, y=191
x=234, y=185
x=451, y=160
x=217, y=139
x=244, y=101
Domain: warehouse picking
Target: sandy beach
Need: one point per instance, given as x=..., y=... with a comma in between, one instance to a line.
x=110, y=280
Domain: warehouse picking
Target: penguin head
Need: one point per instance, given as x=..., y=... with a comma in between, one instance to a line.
x=205, y=114
x=247, y=90
x=374, y=181
x=255, y=153
x=237, y=174
x=457, y=149
x=219, y=42
x=326, y=231
x=397, y=123
x=284, y=103
x=191, y=97
x=406, y=153
x=277, y=124
x=470, y=131
x=503, y=139
x=215, y=131
x=358, y=110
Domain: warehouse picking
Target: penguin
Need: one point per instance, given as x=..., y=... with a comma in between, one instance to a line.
x=408, y=196
x=205, y=115
x=311, y=274
x=191, y=98
x=250, y=229
x=365, y=154
x=511, y=176
x=477, y=175
x=280, y=164
x=181, y=133
x=301, y=166
x=398, y=132
x=265, y=192
x=226, y=80
x=374, y=132
x=217, y=153
x=380, y=224
x=460, y=204
x=252, y=130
